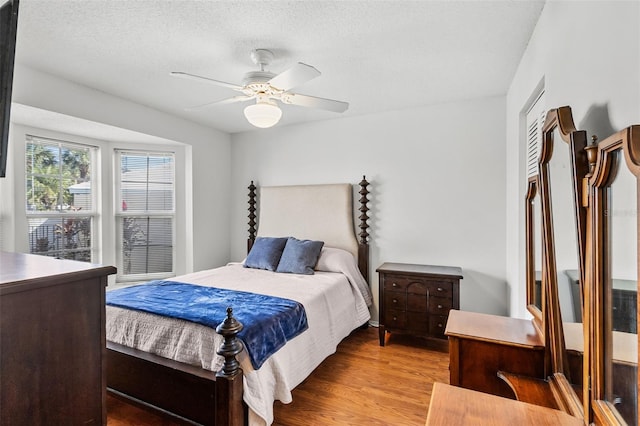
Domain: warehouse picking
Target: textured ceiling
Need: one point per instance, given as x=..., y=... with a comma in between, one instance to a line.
x=376, y=55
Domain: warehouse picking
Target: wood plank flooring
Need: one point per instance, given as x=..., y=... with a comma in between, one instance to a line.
x=362, y=383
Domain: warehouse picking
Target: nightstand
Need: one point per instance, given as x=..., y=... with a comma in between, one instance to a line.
x=416, y=299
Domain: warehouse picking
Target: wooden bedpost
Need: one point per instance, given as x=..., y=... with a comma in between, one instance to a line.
x=363, y=244
x=228, y=404
x=252, y=216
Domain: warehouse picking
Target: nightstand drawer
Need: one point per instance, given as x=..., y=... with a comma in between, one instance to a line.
x=440, y=289
x=409, y=284
x=440, y=305
x=396, y=283
x=395, y=319
x=395, y=300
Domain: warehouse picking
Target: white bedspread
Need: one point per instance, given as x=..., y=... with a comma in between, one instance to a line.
x=334, y=305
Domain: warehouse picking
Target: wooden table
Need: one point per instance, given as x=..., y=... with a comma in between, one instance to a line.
x=451, y=405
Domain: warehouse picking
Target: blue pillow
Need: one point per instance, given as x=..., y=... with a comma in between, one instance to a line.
x=300, y=256
x=265, y=253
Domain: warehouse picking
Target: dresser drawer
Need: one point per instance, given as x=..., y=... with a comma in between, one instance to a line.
x=440, y=288
x=395, y=300
x=409, y=284
x=440, y=305
x=437, y=325
x=395, y=319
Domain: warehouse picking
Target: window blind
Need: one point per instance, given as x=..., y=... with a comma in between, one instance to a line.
x=145, y=216
x=60, y=202
x=535, y=122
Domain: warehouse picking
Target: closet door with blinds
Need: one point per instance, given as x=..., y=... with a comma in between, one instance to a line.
x=535, y=120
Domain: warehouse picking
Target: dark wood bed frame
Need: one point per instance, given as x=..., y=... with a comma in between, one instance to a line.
x=192, y=394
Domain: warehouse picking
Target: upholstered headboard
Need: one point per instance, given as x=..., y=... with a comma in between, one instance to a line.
x=314, y=212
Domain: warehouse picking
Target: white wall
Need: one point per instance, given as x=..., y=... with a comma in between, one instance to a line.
x=437, y=185
x=588, y=54
x=206, y=151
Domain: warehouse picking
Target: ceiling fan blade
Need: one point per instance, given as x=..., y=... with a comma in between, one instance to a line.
x=294, y=76
x=205, y=79
x=313, y=102
x=234, y=99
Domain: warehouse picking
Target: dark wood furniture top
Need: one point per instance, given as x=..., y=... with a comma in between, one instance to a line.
x=19, y=272
x=431, y=270
x=52, y=338
x=451, y=405
x=416, y=299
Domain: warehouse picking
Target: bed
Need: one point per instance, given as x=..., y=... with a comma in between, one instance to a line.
x=190, y=372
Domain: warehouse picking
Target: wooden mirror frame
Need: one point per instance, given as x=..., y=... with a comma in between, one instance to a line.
x=600, y=411
x=556, y=359
x=531, y=233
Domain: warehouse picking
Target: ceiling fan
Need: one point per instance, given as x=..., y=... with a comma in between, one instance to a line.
x=267, y=88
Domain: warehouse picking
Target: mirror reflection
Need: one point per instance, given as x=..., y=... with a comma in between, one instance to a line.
x=536, y=215
x=564, y=230
x=621, y=368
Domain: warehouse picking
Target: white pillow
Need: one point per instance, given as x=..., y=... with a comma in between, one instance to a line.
x=337, y=260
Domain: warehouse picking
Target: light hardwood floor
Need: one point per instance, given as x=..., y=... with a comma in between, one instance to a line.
x=362, y=383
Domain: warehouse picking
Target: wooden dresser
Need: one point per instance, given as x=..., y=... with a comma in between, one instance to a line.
x=52, y=341
x=416, y=299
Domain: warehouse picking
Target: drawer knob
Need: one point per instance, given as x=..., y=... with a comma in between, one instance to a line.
x=395, y=318
x=440, y=325
x=439, y=288
x=394, y=285
x=439, y=306
x=395, y=300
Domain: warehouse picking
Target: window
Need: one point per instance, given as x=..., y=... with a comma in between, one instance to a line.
x=60, y=203
x=145, y=214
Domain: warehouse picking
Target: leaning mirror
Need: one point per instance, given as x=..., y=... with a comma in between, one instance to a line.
x=533, y=237
x=563, y=165
x=614, y=202
x=566, y=212
x=565, y=237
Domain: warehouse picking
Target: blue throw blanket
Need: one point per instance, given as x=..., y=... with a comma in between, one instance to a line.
x=269, y=322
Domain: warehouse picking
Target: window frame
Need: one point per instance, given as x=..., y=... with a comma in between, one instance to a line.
x=120, y=214
x=93, y=213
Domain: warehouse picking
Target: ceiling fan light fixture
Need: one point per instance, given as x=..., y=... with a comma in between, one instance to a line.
x=265, y=87
x=263, y=114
